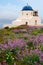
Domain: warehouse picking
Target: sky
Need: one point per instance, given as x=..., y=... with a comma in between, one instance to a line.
x=10, y=9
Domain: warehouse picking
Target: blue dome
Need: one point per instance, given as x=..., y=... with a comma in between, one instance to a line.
x=27, y=8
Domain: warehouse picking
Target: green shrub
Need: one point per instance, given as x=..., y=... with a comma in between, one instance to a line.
x=30, y=45
x=30, y=59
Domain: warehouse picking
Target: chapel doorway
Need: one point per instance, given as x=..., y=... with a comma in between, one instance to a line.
x=26, y=23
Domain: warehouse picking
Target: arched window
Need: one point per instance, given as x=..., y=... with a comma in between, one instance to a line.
x=35, y=22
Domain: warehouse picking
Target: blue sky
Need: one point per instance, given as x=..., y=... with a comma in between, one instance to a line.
x=9, y=9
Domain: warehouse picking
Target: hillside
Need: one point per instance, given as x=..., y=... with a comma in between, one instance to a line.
x=21, y=32
x=22, y=45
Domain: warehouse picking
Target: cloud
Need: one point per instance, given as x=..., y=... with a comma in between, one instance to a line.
x=8, y=11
